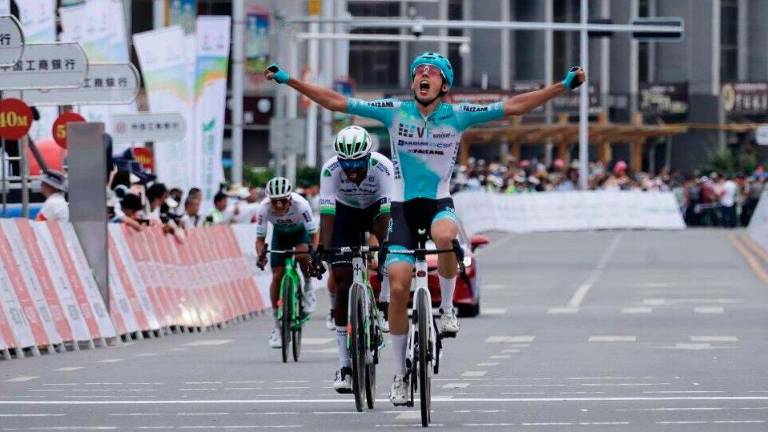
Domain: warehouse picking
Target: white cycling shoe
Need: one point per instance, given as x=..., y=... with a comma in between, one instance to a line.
x=342, y=383
x=449, y=323
x=274, y=339
x=398, y=391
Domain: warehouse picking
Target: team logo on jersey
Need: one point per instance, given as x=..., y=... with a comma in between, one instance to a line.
x=382, y=104
x=474, y=108
x=326, y=172
x=406, y=130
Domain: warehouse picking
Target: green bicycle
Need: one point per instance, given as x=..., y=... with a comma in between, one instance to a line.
x=365, y=336
x=290, y=312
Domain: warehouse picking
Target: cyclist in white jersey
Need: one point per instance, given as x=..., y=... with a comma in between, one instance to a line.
x=292, y=227
x=354, y=199
x=425, y=134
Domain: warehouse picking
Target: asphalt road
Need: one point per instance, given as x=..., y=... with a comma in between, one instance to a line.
x=619, y=331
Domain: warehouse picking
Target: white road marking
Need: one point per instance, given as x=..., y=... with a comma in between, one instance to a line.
x=624, y=384
x=547, y=424
x=738, y=421
x=209, y=342
x=562, y=310
x=714, y=339
x=494, y=311
x=322, y=351
x=488, y=364
x=202, y=414
x=409, y=415
x=113, y=360
x=178, y=349
x=682, y=391
x=636, y=310
x=436, y=399
x=682, y=422
x=63, y=428
x=510, y=351
x=583, y=290
x=32, y=415
x=149, y=354
x=613, y=339
x=672, y=409
x=488, y=424
x=500, y=357
x=613, y=423
x=510, y=339
x=474, y=373
x=202, y=382
x=316, y=341
x=69, y=369
x=708, y=310
x=451, y=386
x=135, y=414
x=609, y=378
x=22, y=379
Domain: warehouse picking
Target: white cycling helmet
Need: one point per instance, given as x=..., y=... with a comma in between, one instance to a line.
x=279, y=187
x=352, y=142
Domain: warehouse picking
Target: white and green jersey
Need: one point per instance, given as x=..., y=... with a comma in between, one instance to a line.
x=297, y=218
x=424, y=150
x=376, y=187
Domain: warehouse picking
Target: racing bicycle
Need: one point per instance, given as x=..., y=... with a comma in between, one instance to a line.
x=290, y=312
x=365, y=335
x=422, y=357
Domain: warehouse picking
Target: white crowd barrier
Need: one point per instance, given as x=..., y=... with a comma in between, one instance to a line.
x=567, y=211
x=246, y=240
x=758, y=225
x=49, y=298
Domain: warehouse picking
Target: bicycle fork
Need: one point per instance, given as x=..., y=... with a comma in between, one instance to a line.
x=421, y=285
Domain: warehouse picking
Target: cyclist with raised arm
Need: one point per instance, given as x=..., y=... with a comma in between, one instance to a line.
x=425, y=134
x=355, y=187
x=292, y=227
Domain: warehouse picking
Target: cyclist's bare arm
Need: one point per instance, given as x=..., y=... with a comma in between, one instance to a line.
x=315, y=239
x=261, y=246
x=526, y=102
x=326, y=229
x=324, y=97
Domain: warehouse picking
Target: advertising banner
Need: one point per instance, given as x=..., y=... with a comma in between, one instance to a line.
x=164, y=69
x=256, y=44
x=99, y=26
x=38, y=19
x=213, y=36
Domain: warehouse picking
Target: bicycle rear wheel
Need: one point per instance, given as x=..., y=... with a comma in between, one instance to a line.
x=371, y=359
x=296, y=326
x=424, y=311
x=285, y=325
x=357, y=348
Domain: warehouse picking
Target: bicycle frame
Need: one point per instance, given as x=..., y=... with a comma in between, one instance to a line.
x=293, y=276
x=421, y=284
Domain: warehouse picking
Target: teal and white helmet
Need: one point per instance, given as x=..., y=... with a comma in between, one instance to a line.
x=279, y=187
x=353, y=142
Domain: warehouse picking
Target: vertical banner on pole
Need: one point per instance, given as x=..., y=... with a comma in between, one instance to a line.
x=213, y=36
x=99, y=27
x=38, y=19
x=164, y=69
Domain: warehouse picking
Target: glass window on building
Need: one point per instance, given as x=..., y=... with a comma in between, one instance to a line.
x=371, y=63
x=729, y=35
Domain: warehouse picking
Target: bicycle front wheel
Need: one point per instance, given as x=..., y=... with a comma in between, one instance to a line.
x=424, y=312
x=297, y=325
x=374, y=335
x=287, y=291
x=357, y=348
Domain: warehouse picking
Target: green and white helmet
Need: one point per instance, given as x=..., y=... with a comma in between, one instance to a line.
x=279, y=187
x=352, y=142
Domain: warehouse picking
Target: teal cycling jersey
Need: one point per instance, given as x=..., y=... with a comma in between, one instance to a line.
x=424, y=149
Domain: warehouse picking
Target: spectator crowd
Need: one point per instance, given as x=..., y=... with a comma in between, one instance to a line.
x=705, y=200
